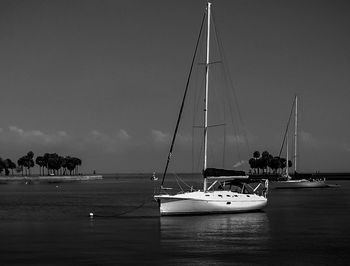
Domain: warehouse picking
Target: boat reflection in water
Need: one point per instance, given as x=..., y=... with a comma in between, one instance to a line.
x=215, y=238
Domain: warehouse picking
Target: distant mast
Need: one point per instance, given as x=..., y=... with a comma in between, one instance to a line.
x=206, y=98
x=296, y=134
x=287, y=156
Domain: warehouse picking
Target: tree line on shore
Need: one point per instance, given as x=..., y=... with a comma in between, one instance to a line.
x=49, y=164
x=268, y=163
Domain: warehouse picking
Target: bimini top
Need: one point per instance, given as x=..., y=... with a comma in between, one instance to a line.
x=224, y=174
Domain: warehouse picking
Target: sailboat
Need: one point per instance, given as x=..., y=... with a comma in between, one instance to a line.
x=224, y=191
x=154, y=177
x=297, y=183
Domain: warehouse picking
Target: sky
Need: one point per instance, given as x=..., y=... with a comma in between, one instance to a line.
x=103, y=80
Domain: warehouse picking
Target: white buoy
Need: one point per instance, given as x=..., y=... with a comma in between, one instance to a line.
x=91, y=215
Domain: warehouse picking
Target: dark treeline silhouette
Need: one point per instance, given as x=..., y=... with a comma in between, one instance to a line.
x=7, y=165
x=49, y=164
x=57, y=165
x=268, y=163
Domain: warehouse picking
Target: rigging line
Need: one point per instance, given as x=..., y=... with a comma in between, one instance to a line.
x=183, y=102
x=197, y=115
x=197, y=96
x=226, y=69
x=285, y=133
x=218, y=96
x=198, y=108
x=200, y=156
x=228, y=84
x=192, y=149
x=177, y=181
x=218, y=125
x=178, y=178
x=224, y=153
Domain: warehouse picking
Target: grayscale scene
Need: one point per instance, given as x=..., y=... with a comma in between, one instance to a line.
x=163, y=132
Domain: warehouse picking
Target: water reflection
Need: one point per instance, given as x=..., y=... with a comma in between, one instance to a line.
x=223, y=235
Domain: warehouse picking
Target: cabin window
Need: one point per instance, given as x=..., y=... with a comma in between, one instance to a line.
x=236, y=196
x=220, y=196
x=228, y=203
x=248, y=196
x=207, y=195
x=228, y=195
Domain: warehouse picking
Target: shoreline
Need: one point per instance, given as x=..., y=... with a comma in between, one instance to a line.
x=49, y=179
x=316, y=175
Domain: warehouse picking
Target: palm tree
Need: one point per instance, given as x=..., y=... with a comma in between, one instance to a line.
x=30, y=154
x=252, y=163
x=2, y=165
x=70, y=164
x=77, y=163
x=19, y=169
x=27, y=161
x=265, y=154
x=256, y=154
x=46, y=162
x=20, y=163
x=275, y=164
x=267, y=158
x=9, y=165
x=263, y=163
x=283, y=163
x=64, y=165
x=12, y=166
x=290, y=164
x=53, y=162
x=29, y=164
x=41, y=162
x=30, y=161
x=60, y=160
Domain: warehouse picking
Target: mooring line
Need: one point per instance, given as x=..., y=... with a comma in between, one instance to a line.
x=148, y=199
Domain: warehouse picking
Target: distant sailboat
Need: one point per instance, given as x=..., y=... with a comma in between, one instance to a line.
x=295, y=182
x=217, y=195
x=154, y=177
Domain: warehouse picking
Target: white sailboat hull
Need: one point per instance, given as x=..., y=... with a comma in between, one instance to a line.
x=200, y=202
x=303, y=183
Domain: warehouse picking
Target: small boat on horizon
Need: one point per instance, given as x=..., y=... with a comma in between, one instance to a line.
x=154, y=177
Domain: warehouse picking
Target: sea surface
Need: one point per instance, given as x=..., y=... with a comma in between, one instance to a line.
x=49, y=224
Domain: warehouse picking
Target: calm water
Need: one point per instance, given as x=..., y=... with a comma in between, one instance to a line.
x=49, y=224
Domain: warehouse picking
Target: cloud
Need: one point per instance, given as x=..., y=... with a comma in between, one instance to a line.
x=16, y=134
x=307, y=138
x=240, y=163
x=160, y=137
x=108, y=143
x=235, y=139
x=94, y=139
x=183, y=139
x=123, y=135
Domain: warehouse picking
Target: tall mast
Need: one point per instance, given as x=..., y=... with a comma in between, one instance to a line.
x=296, y=134
x=287, y=170
x=206, y=97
